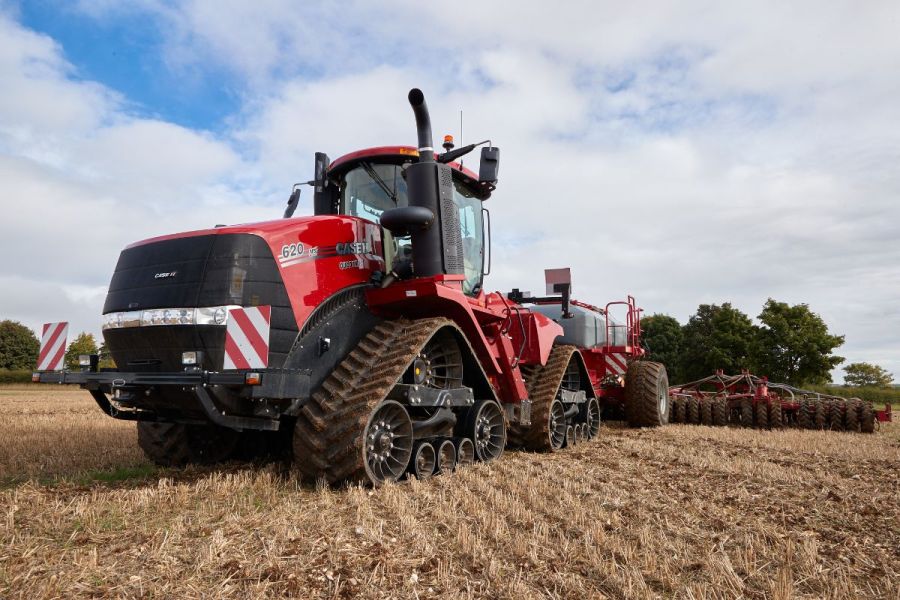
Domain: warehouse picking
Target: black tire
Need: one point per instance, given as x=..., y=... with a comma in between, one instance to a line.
x=820, y=416
x=176, y=445
x=720, y=412
x=693, y=412
x=706, y=411
x=746, y=412
x=852, y=416
x=679, y=409
x=776, y=415
x=836, y=420
x=803, y=418
x=761, y=415
x=867, y=418
x=646, y=394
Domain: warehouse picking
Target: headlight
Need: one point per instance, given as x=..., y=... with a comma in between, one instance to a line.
x=209, y=315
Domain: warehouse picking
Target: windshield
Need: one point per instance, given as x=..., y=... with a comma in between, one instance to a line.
x=370, y=189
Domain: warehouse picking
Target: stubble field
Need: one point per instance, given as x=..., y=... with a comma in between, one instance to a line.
x=682, y=511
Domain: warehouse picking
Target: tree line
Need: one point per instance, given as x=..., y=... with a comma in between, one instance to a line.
x=791, y=344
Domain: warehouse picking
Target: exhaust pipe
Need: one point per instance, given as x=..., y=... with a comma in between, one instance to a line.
x=423, y=125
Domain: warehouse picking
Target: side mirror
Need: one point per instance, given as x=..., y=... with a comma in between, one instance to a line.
x=490, y=165
x=292, y=203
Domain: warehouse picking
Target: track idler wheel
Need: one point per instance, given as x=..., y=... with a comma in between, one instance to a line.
x=486, y=426
x=465, y=452
x=388, y=442
x=591, y=416
x=446, y=457
x=423, y=461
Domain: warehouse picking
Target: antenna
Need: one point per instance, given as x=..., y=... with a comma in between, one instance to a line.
x=460, y=133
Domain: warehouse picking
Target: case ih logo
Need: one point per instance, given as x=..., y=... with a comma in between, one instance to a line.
x=165, y=274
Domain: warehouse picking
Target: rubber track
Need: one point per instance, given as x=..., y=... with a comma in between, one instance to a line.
x=542, y=383
x=328, y=435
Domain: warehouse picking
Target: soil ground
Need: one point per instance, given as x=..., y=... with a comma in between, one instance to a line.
x=676, y=512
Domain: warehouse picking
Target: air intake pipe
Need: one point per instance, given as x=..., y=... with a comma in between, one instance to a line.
x=435, y=251
x=423, y=125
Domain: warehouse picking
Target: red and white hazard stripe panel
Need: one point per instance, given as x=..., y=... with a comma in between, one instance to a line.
x=247, y=338
x=616, y=363
x=53, y=346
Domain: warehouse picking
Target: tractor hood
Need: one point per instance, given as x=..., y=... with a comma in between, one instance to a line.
x=170, y=294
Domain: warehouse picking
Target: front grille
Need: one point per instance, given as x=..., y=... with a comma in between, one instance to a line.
x=208, y=270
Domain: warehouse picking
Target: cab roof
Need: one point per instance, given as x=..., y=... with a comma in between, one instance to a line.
x=407, y=152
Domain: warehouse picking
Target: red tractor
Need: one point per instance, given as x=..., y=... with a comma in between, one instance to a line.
x=360, y=337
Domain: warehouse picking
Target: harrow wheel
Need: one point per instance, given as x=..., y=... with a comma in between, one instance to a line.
x=820, y=418
x=706, y=410
x=836, y=416
x=465, y=452
x=866, y=418
x=720, y=412
x=746, y=412
x=591, y=418
x=683, y=410
x=803, y=418
x=446, y=457
x=424, y=459
x=676, y=403
x=852, y=416
x=761, y=415
x=693, y=412
x=776, y=416
x=487, y=427
x=646, y=394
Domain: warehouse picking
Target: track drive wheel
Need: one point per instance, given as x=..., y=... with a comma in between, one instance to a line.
x=175, y=445
x=646, y=394
x=486, y=425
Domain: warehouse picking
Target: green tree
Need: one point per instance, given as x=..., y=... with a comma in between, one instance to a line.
x=662, y=336
x=794, y=345
x=83, y=344
x=866, y=374
x=18, y=346
x=106, y=359
x=716, y=337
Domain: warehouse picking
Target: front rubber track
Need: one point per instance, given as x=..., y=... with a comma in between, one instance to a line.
x=328, y=434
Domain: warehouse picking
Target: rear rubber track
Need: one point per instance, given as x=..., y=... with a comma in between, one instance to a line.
x=542, y=383
x=328, y=435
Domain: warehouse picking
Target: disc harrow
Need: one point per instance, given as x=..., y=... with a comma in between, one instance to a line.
x=747, y=400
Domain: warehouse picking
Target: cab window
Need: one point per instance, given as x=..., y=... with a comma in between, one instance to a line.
x=471, y=225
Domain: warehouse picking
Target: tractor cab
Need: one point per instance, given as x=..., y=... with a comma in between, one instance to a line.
x=368, y=183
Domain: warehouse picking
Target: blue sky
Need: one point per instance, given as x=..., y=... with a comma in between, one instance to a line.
x=686, y=152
